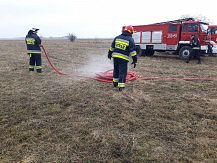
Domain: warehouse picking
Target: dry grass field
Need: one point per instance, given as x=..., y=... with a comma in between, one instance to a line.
x=51, y=118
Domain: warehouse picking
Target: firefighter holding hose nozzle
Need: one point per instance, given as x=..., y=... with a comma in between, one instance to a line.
x=33, y=43
x=122, y=48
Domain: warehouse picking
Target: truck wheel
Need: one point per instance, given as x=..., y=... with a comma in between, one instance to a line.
x=149, y=52
x=143, y=53
x=140, y=52
x=138, y=49
x=184, y=52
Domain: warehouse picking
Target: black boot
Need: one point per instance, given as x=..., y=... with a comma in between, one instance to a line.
x=39, y=71
x=121, y=88
x=31, y=69
x=115, y=84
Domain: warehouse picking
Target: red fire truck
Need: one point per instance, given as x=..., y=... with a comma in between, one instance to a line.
x=212, y=31
x=171, y=36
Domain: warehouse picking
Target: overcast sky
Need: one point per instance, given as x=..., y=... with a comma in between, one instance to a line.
x=93, y=18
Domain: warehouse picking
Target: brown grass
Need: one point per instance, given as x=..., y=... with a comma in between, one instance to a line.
x=50, y=118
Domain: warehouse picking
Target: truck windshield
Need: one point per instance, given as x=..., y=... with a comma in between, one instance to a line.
x=204, y=27
x=213, y=30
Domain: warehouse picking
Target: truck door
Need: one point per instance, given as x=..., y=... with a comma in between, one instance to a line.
x=213, y=32
x=172, y=36
x=188, y=30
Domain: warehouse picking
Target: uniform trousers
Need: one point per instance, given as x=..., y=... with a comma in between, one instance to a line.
x=120, y=71
x=35, y=62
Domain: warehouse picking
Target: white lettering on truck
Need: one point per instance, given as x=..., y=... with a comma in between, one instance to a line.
x=170, y=35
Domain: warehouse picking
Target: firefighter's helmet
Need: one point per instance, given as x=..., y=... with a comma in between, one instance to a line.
x=35, y=30
x=129, y=29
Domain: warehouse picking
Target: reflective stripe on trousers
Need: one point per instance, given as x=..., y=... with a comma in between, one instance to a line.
x=120, y=71
x=35, y=61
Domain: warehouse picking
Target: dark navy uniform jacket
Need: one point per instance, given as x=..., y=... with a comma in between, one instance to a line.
x=195, y=43
x=33, y=43
x=123, y=46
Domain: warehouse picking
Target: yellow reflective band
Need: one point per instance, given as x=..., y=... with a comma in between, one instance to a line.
x=120, y=46
x=121, y=85
x=121, y=42
x=120, y=56
x=38, y=67
x=30, y=55
x=115, y=79
x=30, y=41
x=133, y=53
x=111, y=49
x=30, y=66
x=34, y=51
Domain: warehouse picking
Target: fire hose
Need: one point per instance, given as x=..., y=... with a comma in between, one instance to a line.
x=108, y=75
x=102, y=77
x=56, y=70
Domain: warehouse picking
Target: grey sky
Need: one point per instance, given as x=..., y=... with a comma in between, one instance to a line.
x=92, y=18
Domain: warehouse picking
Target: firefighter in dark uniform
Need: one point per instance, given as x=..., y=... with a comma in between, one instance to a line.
x=33, y=43
x=122, y=48
x=209, y=49
x=196, y=49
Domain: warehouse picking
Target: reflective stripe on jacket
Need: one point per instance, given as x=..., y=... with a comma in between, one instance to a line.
x=123, y=47
x=33, y=43
x=34, y=51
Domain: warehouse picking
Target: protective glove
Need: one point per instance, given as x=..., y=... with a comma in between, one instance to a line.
x=134, y=61
x=109, y=55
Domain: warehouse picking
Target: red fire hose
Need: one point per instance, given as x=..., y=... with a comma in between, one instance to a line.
x=108, y=75
x=174, y=78
x=56, y=70
x=102, y=77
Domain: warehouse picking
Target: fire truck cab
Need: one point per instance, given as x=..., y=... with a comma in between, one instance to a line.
x=171, y=36
x=212, y=31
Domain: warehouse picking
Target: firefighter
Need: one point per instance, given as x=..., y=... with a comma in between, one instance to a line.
x=122, y=48
x=33, y=43
x=195, y=53
x=209, y=49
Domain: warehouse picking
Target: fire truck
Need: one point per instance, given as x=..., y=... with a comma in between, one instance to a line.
x=212, y=31
x=173, y=36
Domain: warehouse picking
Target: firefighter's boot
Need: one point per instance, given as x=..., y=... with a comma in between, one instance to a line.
x=115, y=84
x=121, y=89
x=31, y=68
x=39, y=70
